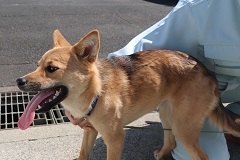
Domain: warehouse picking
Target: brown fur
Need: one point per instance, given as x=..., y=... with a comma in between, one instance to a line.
x=131, y=86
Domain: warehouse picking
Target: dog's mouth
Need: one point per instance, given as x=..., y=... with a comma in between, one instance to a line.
x=42, y=102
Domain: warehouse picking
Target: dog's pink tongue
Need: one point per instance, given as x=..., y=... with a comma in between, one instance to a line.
x=28, y=115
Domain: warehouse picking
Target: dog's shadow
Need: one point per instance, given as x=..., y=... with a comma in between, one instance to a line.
x=139, y=144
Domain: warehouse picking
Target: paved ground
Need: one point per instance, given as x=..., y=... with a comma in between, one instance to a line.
x=26, y=33
x=26, y=27
x=63, y=141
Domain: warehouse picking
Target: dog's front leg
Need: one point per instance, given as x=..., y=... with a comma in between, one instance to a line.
x=114, y=141
x=89, y=138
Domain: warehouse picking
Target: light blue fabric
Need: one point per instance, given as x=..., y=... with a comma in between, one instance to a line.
x=214, y=24
x=209, y=30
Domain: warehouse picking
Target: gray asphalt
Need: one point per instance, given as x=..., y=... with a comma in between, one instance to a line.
x=62, y=142
x=26, y=33
x=27, y=26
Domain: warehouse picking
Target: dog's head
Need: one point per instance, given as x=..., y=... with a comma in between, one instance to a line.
x=59, y=71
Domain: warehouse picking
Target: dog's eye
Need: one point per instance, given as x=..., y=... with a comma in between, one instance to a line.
x=51, y=69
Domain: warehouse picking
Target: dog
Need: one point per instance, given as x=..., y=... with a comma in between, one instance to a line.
x=111, y=93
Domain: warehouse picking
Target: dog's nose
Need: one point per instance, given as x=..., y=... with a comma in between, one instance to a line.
x=21, y=82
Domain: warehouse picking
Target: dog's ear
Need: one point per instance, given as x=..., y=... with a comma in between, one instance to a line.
x=59, y=40
x=88, y=47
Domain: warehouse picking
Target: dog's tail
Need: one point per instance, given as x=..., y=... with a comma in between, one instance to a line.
x=226, y=119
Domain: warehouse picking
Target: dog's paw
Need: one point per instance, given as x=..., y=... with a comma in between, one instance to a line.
x=158, y=156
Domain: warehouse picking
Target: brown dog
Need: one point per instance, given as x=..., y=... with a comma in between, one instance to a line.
x=125, y=88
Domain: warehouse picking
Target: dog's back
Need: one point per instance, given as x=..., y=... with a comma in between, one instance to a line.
x=144, y=80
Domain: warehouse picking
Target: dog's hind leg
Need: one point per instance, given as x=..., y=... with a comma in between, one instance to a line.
x=89, y=138
x=187, y=128
x=169, y=139
x=191, y=144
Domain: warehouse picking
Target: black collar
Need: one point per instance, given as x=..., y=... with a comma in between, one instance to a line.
x=93, y=105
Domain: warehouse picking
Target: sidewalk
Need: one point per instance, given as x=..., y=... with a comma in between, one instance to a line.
x=63, y=141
